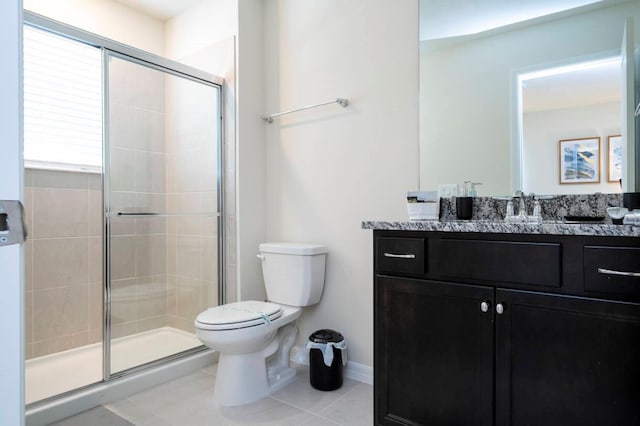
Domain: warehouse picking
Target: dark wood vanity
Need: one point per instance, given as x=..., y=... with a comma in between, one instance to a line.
x=506, y=329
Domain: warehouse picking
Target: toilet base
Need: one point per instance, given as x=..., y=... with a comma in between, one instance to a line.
x=245, y=378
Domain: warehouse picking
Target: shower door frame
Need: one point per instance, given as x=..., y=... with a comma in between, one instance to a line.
x=111, y=48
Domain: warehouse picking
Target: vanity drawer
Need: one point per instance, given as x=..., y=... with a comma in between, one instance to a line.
x=527, y=263
x=613, y=270
x=400, y=255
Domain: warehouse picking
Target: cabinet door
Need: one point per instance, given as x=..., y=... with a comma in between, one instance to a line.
x=433, y=353
x=564, y=360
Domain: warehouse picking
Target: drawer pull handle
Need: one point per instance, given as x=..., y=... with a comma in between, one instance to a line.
x=400, y=256
x=622, y=273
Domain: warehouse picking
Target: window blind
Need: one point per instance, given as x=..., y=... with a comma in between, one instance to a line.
x=62, y=103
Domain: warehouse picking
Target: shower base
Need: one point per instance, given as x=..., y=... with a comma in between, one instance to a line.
x=60, y=372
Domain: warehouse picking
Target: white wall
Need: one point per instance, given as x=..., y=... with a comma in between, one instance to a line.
x=465, y=111
x=330, y=168
x=106, y=18
x=543, y=129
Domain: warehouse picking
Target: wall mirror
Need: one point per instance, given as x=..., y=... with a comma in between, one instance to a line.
x=501, y=84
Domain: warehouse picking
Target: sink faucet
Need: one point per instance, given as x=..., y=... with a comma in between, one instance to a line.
x=522, y=206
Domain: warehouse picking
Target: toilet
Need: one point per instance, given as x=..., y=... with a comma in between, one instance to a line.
x=254, y=338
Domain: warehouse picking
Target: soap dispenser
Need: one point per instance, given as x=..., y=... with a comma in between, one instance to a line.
x=464, y=204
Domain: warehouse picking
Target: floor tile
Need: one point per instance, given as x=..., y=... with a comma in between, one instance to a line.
x=354, y=408
x=188, y=401
x=300, y=394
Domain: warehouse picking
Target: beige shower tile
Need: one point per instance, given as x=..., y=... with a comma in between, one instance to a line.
x=60, y=213
x=123, y=202
x=124, y=304
x=124, y=329
x=151, y=202
x=188, y=254
x=189, y=297
x=185, y=324
x=152, y=296
x=125, y=131
x=150, y=172
x=28, y=208
x=80, y=339
x=60, y=312
x=122, y=169
x=151, y=225
x=172, y=295
x=189, y=171
x=122, y=257
x=171, y=254
x=151, y=323
x=209, y=259
x=60, y=262
x=96, y=306
x=28, y=351
x=211, y=299
x=28, y=265
x=189, y=223
x=95, y=259
x=28, y=316
x=50, y=346
x=170, y=172
x=60, y=179
x=151, y=255
x=95, y=213
x=95, y=335
x=95, y=181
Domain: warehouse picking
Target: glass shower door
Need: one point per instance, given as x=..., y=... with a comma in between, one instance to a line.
x=162, y=204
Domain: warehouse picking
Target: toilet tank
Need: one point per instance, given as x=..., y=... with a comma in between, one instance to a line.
x=293, y=272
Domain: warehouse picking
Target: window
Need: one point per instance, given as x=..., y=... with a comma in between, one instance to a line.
x=62, y=103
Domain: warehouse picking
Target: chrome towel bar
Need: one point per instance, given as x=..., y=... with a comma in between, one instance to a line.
x=342, y=101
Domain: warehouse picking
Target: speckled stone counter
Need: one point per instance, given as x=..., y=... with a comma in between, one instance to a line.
x=495, y=227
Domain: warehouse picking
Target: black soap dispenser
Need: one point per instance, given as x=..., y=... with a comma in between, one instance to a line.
x=464, y=204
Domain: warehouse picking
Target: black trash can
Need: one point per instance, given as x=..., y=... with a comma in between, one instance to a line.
x=327, y=356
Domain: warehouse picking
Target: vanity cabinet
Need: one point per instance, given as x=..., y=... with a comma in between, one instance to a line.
x=518, y=334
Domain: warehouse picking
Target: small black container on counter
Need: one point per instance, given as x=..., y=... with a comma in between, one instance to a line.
x=322, y=376
x=631, y=200
x=464, y=208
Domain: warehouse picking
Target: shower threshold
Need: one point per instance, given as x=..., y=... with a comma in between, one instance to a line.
x=60, y=372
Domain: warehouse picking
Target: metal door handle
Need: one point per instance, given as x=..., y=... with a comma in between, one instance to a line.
x=400, y=256
x=621, y=273
x=13, y=229
x=484, y=306
x=499, y=308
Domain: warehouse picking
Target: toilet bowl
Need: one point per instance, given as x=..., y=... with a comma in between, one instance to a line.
x=254, y=338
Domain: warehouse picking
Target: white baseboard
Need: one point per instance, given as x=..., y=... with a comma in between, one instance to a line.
x=353, y=370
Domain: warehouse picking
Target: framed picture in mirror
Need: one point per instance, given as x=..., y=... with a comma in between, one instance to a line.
x=579, y=160
x=614, y=150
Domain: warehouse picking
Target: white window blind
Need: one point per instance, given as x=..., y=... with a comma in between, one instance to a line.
x=62, y=103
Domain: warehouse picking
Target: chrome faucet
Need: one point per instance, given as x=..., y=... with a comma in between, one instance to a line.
x=522, y=206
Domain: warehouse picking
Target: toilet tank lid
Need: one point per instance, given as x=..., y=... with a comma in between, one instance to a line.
x=293, y=248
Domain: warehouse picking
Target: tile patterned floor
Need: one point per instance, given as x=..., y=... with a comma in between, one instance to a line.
x=188, y=401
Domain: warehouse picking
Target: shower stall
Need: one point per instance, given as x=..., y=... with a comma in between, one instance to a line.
x=123, y=199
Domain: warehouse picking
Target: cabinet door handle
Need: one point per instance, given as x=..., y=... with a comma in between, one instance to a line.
x=400, y=256
x=499, y=308
x=621, y=273
x=484, y=306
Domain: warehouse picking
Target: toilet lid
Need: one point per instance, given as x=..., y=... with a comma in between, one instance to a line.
x=238, y=315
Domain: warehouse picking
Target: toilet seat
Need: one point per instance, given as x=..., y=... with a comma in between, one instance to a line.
x=232, y=316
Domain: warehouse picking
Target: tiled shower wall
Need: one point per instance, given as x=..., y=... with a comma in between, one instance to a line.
x=137, y=184
x=192, y=195
x=163, y=268
x=63, y=261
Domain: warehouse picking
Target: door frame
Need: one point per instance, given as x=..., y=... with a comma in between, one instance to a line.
x=11, y=176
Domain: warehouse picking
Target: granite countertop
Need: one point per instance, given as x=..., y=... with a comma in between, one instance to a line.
x=498, y=227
